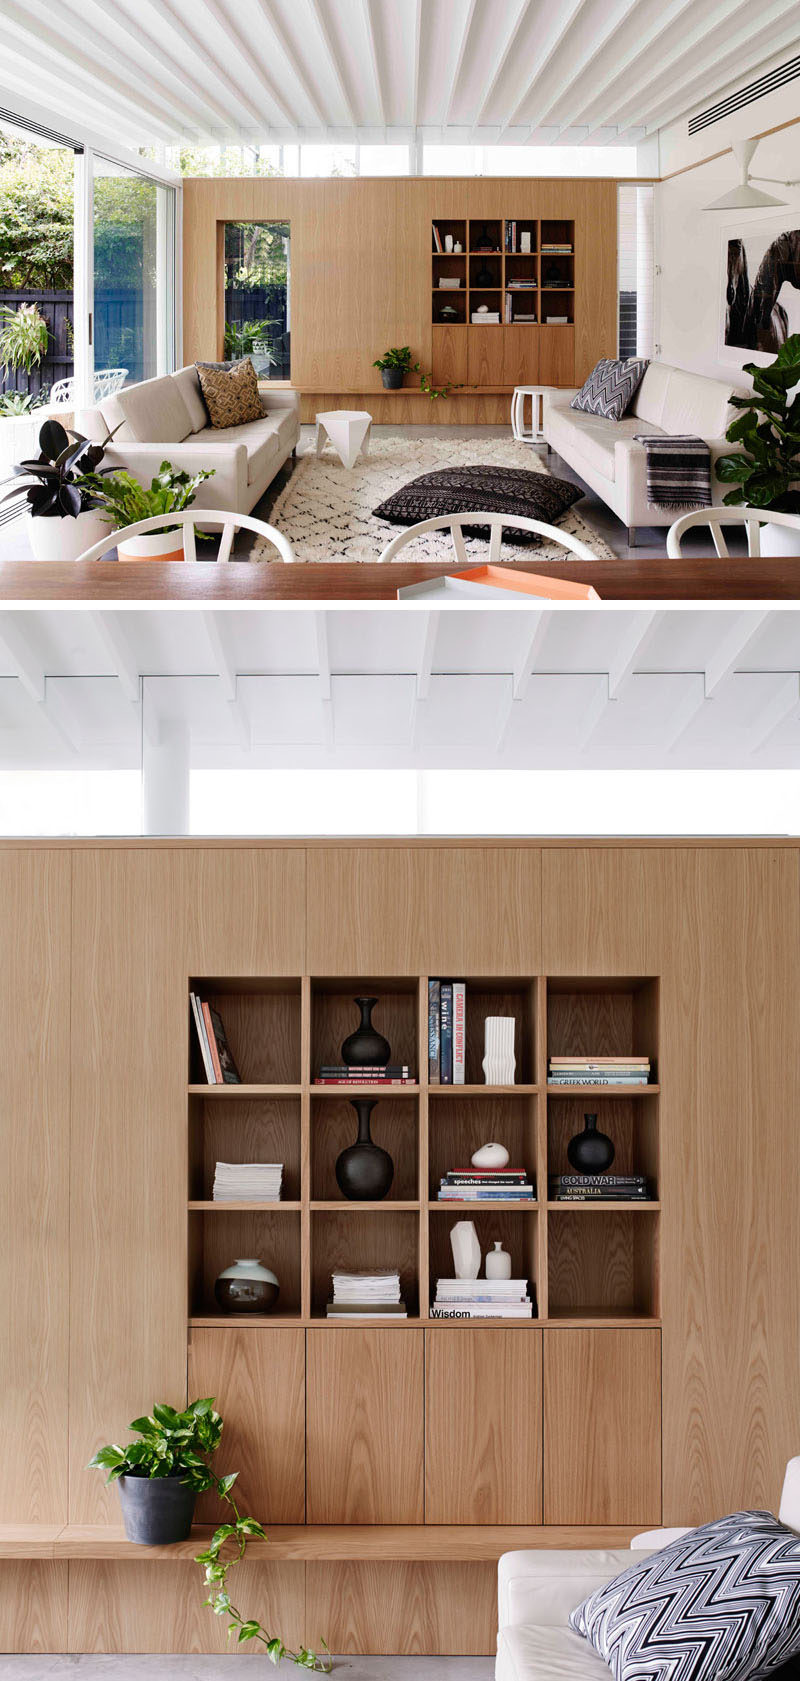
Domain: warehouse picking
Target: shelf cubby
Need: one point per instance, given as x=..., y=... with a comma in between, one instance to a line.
x=334, y=1015
x=262, y=1024
x=218, y=1237
x=456, y=1130
x=394, y=1126
x=485, y=237
x=515, y=1228
x=607, y=1264
x=357, y=1238
x=243, y=1130
x=499, y=997
x=630, y=1122
x=446, y=225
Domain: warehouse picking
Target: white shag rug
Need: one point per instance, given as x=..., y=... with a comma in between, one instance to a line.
x=325, y=510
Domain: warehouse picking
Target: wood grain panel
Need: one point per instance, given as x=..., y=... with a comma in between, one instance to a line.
x=483, y=1427
x=520, y=355
x=258, y=1378
x=602, y=1426
x=35, y=890
x=602, y=911
x=150, y=1607
x=424, y=911
x=33, y=1606
x=365, y=1426
x=449, y=358
x=405, y=1608
x=557, y=355
x=143, y=922
x=485, y=355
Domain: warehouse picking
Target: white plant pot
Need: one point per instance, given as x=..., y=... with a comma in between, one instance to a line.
x=779, y=540
x=19, y=439
x=65, y=538
x=158, y=545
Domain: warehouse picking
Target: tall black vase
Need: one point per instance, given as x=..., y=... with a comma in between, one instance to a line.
x=366, y=1048
x=590, y=1151
x=364, y=1172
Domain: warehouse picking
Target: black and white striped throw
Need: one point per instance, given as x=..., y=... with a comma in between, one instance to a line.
x=678, y=471
x=720, y=1604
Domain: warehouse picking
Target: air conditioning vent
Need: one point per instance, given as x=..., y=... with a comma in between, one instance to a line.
x=746, y=96
x=39, y=129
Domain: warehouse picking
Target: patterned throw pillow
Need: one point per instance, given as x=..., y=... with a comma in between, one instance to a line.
x=230, y=394
x=720, y=1604
x=493, y=490
x=610, y=388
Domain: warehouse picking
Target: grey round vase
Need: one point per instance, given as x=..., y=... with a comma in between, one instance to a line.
x=156, y=1510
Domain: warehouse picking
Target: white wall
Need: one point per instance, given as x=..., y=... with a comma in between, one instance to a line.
x=689, y=241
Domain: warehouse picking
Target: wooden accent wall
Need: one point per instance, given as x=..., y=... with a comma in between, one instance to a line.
x=361, y=271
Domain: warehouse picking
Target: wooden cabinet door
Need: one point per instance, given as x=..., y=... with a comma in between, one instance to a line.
x=364, y=1427
x=483, y=1426
x=485, y=355
x=258, y=1380
x=520, y=355
x=557, y=355
x=602, y=1426
x=449, y=355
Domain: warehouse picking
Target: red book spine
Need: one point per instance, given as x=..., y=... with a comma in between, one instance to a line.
x=212, y=1045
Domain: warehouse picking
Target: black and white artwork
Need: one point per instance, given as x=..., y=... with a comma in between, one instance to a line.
x=762, y=290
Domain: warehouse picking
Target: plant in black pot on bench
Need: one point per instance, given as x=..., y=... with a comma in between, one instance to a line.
x=160, y=1477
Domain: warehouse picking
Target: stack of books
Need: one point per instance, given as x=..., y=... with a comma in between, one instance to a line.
x=480, y=317
x=447, y=1017
x=599, y=1071
x=218, y=1064
x=488, y=1184
x=366, y=1295
x=248, y=1182
x=482, y=1298
x=556, y=248
x=339, y=1074
x=599, y=1187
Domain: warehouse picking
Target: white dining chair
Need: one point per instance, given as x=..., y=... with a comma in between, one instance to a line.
x=104, y=384
x=497, y=523
x=715, y=518
x=190, y=519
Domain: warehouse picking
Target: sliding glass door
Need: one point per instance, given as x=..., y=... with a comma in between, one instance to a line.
x=133, y=235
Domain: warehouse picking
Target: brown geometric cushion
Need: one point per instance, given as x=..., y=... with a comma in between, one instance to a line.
x=230, y=394
x=493, y=490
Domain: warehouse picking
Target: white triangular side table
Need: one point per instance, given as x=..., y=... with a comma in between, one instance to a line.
x=348, y=430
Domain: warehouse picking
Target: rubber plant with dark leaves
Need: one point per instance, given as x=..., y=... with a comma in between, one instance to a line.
x=53, y=486
x=766, y=472
x=171, y=1442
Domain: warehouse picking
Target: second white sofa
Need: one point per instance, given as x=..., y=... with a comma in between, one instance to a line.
x=605, y=453
x=165, y=419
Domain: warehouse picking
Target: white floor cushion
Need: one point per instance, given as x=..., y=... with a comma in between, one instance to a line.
x=546, y=1654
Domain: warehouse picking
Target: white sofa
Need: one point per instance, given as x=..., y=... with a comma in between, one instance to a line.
x=537, y=1590
x=165, y=420
x=669, y=401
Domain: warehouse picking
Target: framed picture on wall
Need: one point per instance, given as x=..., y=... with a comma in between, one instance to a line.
x=759, y=288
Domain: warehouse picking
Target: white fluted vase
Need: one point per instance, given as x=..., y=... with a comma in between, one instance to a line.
x=499, y=1060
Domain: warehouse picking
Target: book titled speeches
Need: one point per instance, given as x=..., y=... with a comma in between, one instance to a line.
x=447, y=1032
x=472, y=1184
x=215, y=1052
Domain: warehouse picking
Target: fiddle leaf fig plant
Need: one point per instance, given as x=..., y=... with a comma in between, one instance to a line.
x=180, y=1444
x=766, y=469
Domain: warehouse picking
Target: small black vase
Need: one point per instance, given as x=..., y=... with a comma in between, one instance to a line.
x=392, y=378
x=364, y=1172
x=590, y=1151
x=366, y=1048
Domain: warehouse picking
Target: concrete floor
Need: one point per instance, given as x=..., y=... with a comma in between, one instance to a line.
x=169, y=1668
x=14, y=544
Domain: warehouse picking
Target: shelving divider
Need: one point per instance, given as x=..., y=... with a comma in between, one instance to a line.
x=540, y=1075
x=306, y=1075
x=423, y=1245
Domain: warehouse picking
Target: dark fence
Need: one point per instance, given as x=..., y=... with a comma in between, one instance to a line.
x=58, y=311
x=119, y=336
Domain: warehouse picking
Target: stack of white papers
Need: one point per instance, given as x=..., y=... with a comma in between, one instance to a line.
x=366, y=1287
x=482, y=1298
x=248, y=1181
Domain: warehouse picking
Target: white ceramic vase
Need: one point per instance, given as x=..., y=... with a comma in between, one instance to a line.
x=247, y=1286
x=498, y=1262
x=66, y=538
x=490, y=1156
x=499, y=1061
x=466, y=1249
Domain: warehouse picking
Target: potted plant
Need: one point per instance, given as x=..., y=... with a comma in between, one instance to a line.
x=394, y=365
x=56, y=488
x=159, y=1477
x=124, y=501
x=24, y=337
x=766, y=469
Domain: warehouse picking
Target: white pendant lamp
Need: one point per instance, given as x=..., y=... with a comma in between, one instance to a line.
x=745, y=196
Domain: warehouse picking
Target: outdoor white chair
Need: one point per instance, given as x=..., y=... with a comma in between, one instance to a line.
x=229, y=522
x=106, y=382
x=751, y=518
x=454, y=523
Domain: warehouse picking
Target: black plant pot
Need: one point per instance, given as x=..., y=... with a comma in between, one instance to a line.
x=366, y=1048
x=392, y=378
x=590, y=1151
x=156, y=1510
x=364, y=1172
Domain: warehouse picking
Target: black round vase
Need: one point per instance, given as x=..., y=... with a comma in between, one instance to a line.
x=392, y=378
x=590, y=1151
x=366, y=1048
x=156, y=1510
x=364, y=1172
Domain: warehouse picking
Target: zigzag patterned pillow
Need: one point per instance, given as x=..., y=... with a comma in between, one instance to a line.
x=610, y=388
x=720, y=1604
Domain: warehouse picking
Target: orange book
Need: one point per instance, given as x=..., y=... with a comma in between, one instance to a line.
x=212, y=1044
x=529, y=583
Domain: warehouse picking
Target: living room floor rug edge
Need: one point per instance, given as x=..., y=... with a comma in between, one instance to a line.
x=325, y=510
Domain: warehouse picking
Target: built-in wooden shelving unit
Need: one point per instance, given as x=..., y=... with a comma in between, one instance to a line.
x=589, y=1264
x=495, y=273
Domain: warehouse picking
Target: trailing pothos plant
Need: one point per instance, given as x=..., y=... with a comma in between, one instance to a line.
x=766, y=470
x=180, y=1444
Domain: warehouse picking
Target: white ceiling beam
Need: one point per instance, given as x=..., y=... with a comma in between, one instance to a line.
x=323, y=655
x=600, y=112
x=38, y=40
x=202, y=96
x=108, y=630
x=422, y=675
x=722, y=60
x=225, y=669
x=251, y=59
x=785, y=700
x=274, y=24
x=374, y=57
x=501, y=57
x=597, y=709
x=212, y=70
x=596, y=97
x=106, y=51
x=576, y=64
x=631, y=650
x=522, y=673
x=28, y=670
x=335, y=57
x=452, y=86
x=565, y=15
x=737, y=639
x=417, y=60
x=690, y=703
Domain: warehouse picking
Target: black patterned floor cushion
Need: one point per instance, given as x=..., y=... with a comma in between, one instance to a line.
x=720, y=1604
x=611, y=387
x=493, y=490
